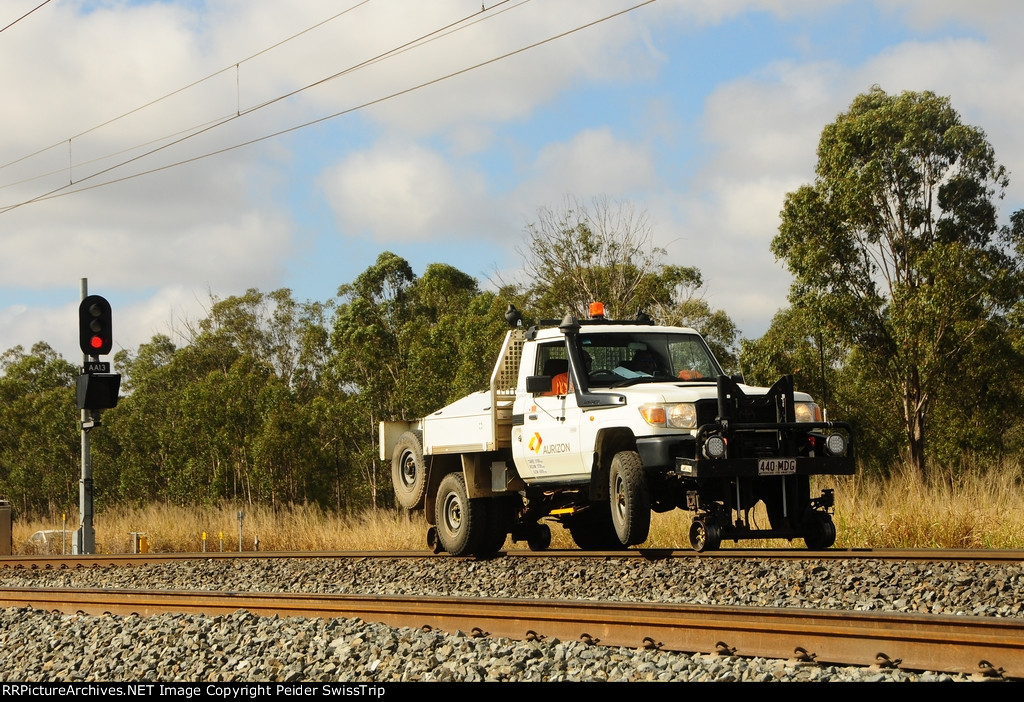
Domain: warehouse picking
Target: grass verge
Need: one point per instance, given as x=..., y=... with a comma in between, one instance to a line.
x=972, y=509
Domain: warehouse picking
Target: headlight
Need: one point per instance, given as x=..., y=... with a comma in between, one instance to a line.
x=683, y=416
x=807, y=412
x=678, y=416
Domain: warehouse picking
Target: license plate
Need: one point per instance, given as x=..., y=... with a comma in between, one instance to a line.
x=776, y=466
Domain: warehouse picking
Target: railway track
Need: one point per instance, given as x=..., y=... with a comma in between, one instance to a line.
x=957, y=644
x=926, y=555
x=982, y=645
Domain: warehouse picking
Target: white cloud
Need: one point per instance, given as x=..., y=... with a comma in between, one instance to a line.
x=594, y=162
x=403, y=192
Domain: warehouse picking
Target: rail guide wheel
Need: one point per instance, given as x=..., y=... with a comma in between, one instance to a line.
x=539, y=538
x=821, y=532
x=705, y=535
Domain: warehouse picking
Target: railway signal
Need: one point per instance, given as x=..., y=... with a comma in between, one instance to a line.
x=97, y=386
x=94, y=328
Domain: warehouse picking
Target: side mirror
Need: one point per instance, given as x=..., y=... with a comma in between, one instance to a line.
x=538, y=384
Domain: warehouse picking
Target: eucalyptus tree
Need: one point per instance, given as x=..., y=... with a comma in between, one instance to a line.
x=604, y=251
x=895, y=246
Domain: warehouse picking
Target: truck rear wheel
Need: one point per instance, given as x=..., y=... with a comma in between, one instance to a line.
x=461, y=522
x=630, y=498
x=408, y=472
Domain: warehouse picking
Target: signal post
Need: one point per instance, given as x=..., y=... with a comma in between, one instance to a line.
x=97, y=390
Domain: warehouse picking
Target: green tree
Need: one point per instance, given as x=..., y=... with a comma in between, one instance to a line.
x=797, y=344
x=896, y=249
x=405, y=345
x=605, y=252
x=39, y=445
x=232, y=414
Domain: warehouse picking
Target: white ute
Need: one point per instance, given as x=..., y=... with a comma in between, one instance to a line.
x=595, y=423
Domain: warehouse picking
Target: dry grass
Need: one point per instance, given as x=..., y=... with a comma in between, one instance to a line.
x=972, y=510
x=975, y=509
x=172, y=528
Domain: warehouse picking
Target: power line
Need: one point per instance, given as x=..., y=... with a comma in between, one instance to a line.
x=196, y=131
x=60, y=192
x=182, y=89
x=206, y=126
x=24, y=15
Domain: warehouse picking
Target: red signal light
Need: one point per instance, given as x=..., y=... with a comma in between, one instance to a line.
x=96, y=342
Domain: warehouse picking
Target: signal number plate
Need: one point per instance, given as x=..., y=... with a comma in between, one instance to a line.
x=776, y=466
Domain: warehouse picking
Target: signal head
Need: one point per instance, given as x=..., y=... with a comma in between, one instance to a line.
x=95, y=334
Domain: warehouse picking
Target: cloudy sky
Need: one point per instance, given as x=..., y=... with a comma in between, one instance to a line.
x=170, y=150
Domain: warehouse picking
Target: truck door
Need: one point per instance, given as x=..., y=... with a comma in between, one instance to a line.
x=549, y=444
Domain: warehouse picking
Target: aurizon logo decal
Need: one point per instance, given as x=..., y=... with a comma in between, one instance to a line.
x=535, y=442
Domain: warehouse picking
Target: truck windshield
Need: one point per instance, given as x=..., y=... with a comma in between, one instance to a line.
x=621, y=358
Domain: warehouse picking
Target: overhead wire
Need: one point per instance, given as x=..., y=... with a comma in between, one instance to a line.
x=4, y=29
x=200, y=81
x=63, y=191
x=97, y=159
x=196, y=130
x=419, y=41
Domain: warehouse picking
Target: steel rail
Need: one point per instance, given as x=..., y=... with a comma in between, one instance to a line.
x=653, y=554
x=958, y=644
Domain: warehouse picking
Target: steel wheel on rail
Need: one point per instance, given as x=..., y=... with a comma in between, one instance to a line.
x=540, y=537
x=821, y=531
x=592, y=528
x=501, y=513
x=705, y=536
x=408, y=472
x=630, y=498
x=461, y=522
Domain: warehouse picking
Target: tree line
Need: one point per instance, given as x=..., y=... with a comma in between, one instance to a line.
x=905, y=319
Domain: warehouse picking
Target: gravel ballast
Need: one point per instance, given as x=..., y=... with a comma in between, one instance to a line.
x=45, y=646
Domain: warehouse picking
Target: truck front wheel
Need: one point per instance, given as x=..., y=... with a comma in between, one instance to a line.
x=408, y=473
x=630, y=498
x=461, y=522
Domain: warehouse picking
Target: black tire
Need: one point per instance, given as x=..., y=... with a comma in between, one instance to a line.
x=630, y=498
x=821, y=532
x=540, y=538
x=705, y=536
x=408, y=472
x=592, y=529
x=461, y=522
